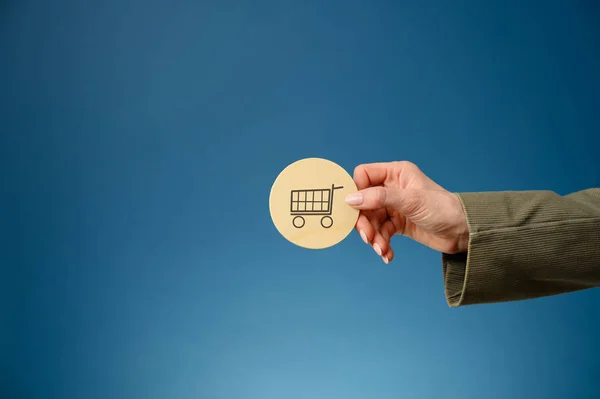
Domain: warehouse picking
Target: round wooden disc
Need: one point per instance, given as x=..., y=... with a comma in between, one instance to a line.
x=307, y=203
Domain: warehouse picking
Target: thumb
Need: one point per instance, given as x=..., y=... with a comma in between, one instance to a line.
x=406, y=201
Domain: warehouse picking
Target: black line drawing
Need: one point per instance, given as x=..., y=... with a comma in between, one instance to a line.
x=312, y=202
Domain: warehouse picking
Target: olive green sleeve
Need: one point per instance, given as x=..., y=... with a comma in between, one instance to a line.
x=525, y=245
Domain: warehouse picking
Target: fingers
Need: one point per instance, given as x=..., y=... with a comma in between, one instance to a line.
x=407, y=202
x=374, y=174
x=370, y=198
x=387, y=231
x=365, y=229
x=377, y=234
x=381, y=241
x=370, y=174
x=368, y=224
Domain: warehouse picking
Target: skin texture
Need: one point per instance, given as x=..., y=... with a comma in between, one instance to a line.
x=397, y=198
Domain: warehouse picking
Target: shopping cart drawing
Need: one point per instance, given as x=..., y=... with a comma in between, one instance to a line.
x=312, y=202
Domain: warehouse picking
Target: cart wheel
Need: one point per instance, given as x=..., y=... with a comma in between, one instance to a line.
x=326, y=222
x=298, y=222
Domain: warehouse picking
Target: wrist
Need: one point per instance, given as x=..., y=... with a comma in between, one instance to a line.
x=462, y=227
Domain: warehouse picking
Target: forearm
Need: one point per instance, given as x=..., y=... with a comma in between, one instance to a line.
x=525, y=245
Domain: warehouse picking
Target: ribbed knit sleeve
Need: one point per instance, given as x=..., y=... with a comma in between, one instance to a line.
x=525, y=245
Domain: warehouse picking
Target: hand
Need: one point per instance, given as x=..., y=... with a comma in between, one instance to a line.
x=398, y=198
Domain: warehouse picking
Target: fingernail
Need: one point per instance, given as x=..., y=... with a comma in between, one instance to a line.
x=354, y=199
x=386, y=260
x=377, y=249
x=364, y=237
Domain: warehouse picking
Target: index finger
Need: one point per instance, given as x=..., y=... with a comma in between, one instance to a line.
x=372, y=174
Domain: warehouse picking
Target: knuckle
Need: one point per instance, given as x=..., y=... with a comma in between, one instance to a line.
x=380, y=196
x=406, y=165
x=358, y=170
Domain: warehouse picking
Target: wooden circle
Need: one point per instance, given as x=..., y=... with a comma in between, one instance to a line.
x=307, y=203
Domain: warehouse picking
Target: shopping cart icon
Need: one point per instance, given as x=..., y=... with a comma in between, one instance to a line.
x=312, y=202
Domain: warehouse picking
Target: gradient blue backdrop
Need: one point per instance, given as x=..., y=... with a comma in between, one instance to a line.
x=139, y=143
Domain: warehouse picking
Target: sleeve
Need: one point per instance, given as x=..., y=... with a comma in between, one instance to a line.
x=525, y=245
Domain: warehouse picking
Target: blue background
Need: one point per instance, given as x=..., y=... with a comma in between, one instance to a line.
x=139, y=143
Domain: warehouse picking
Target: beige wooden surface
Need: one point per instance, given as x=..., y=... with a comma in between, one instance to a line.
x=301, y=208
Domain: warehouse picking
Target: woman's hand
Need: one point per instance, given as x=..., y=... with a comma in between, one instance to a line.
x=398, y=198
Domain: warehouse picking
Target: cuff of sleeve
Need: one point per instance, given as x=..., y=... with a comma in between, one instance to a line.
x=480, y=274
x=454, y=269
x=513, y=261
